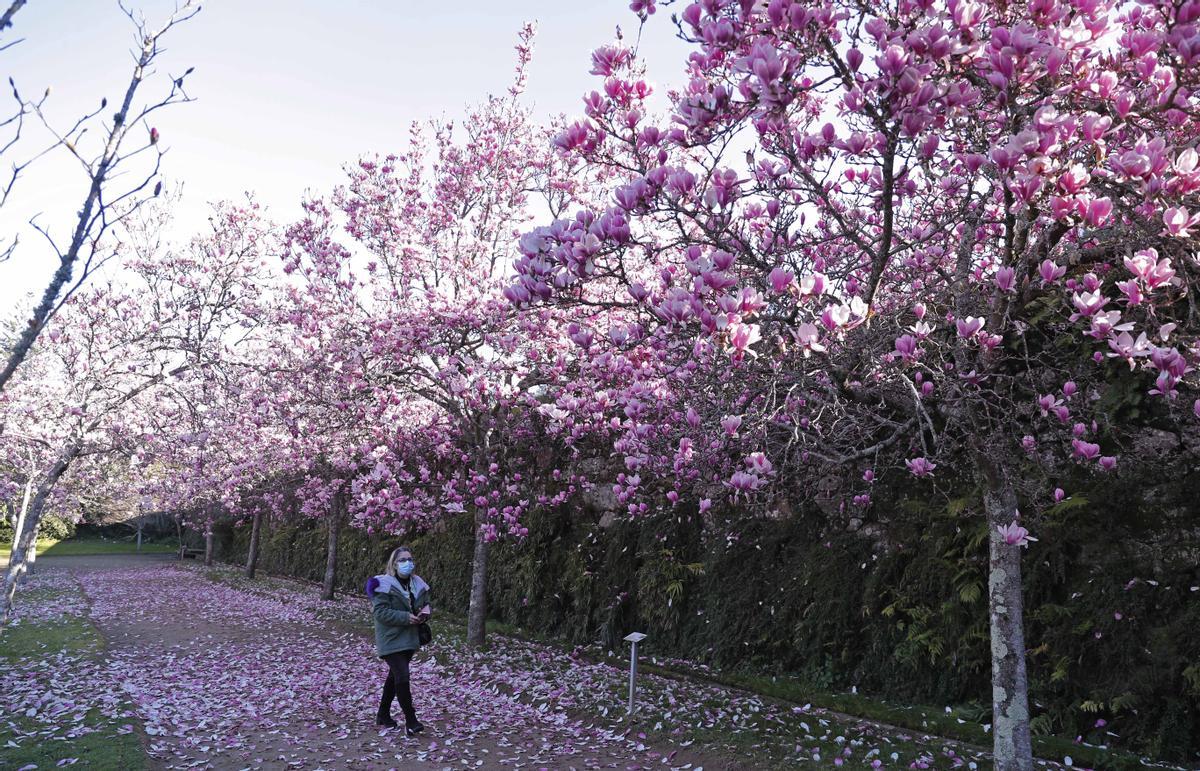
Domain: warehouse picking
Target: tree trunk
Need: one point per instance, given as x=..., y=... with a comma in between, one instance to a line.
x=25, y=540
x=477, y=610
x=179, y=532
x=1011, y=742
x=19, y=525
x=335, y=527
x=33, y=551
x=208, y=545
x=252, y=555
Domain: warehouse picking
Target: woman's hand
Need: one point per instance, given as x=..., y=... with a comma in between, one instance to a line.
x=414, y=619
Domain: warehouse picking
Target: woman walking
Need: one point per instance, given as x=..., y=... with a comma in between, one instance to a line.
x=400, y=605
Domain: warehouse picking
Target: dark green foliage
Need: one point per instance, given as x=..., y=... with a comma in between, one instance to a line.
x=52, y=528
x=900, y=616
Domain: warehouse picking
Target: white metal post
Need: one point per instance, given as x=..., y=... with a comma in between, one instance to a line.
x=634, y=639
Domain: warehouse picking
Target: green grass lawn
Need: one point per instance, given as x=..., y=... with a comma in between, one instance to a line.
x=76, y=547
x=106, y=747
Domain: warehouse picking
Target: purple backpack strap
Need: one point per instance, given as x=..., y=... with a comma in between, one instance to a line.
x=372, y=585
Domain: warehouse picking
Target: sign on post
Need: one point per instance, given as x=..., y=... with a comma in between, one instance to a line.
x=634, y=638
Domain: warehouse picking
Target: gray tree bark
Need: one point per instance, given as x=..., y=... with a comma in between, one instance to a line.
x=1011, y=741
x=252, y=554
x=335, y=528
x=208, y=545
x=477, y=609
x=25, y=541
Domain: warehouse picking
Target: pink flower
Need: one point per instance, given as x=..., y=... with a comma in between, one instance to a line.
x=731, y=424
x=1047, y=402
x=1178, y=222
x=758, y=463
x=920, y=467
x=741, y=337
x=1051, y=271
x=1108, y=462
x=1006, y=279
x=1069, y=388
x=1132, y=291
x=869, y=475
x=744, y=482
x=1059, y=495
x=969, y=326
x=808, y=336
x=1085, y=450
x=781, y=280
x=1125, y=347
x=906, y=347
x=1015, y=535
x=1098, y=211
x=812, y=285
x=705, y=504
x=1088, y=303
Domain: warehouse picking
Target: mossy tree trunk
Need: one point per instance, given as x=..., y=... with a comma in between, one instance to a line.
x=1011, y=741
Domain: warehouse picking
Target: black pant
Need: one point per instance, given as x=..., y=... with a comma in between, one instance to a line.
x=397, y=686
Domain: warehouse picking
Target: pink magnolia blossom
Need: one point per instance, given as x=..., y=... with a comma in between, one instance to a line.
x=809, y=338
x=757, y=463
x=1006, y=279
x=1051, y=271
x=906, y=347
x=1178, y=222
x=1125, y=347
x=781, y=279
x=969, y=326
x=920, y=467
x=742, y=482
x=1015, y=535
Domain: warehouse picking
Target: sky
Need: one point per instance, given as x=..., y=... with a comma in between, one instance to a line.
x=288, y=91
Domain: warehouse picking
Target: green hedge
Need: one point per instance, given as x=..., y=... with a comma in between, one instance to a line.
x=901, y=617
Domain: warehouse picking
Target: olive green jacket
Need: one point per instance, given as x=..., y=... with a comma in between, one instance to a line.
x=390, y=607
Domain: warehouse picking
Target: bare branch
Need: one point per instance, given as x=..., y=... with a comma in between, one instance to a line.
x=6, y=19
x=94, y=215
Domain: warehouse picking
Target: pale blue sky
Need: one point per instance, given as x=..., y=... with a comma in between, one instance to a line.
x=288, y=91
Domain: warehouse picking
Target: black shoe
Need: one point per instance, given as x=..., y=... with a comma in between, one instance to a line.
x=413, y=727
x=384, y=721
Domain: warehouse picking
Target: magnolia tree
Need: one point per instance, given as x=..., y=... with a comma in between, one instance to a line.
x=208, y=436
x=928, y=235
x=99, y=368
x=118, y=349
x=118, y=152
x=425, y=356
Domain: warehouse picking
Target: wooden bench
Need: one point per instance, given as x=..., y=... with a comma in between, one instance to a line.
x=192, y=553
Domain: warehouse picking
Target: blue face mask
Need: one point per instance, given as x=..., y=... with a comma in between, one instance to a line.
x=404, y=568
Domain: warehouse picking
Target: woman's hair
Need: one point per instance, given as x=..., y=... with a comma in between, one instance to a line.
x=391, y=563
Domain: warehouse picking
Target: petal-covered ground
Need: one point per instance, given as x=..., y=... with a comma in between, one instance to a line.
x=219, y=672
x=236, y=679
